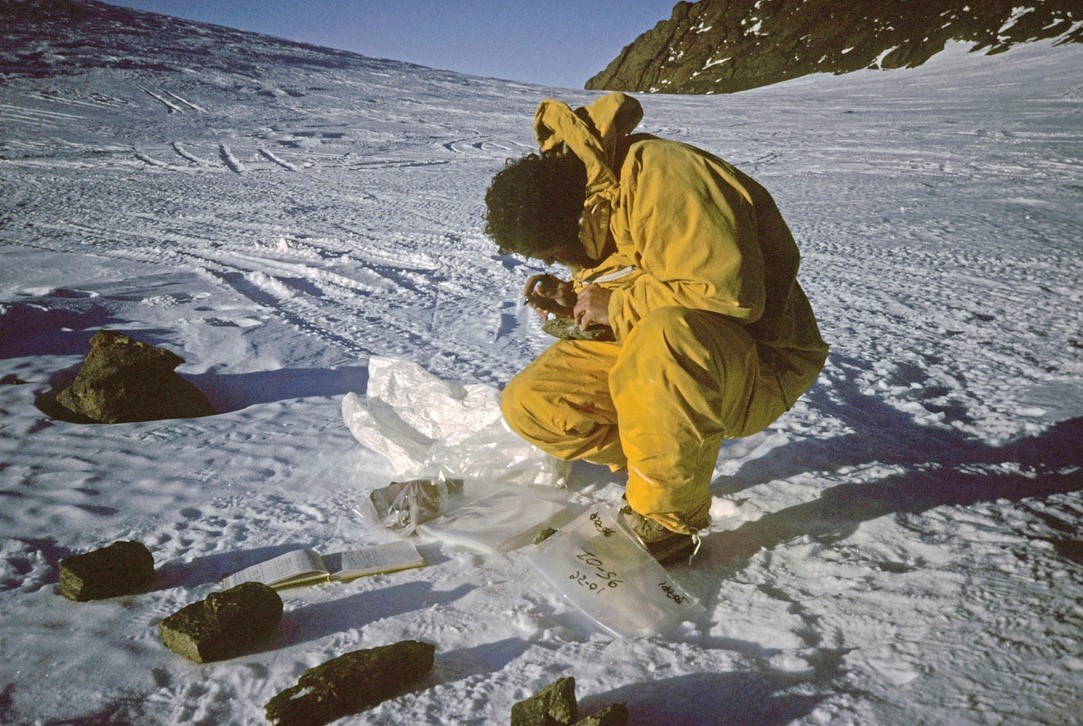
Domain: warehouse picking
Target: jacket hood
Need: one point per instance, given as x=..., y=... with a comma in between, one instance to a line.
x=592, y=133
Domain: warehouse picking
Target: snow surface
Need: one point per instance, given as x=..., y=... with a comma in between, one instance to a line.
x=902, y=547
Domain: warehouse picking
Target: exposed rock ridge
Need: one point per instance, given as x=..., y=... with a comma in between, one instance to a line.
x=724, y=46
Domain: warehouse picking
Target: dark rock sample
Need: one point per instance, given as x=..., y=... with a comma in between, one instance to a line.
x=225, y=625
x=249, y=610
x=553, y=705
x=725, y=46
x=350, y=683
x=568, y=329
x=124, y=380
x=122, y=568
x=613, y=715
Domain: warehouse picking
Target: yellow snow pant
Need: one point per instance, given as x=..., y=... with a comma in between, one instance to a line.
x=660, y=403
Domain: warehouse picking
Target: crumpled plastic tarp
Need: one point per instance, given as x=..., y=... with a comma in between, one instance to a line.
x=428, y=427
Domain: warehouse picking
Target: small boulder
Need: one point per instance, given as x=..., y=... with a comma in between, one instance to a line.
x=350, y=683
x=553, y=705
x=124, y=380
x=122, y=568
x=225, y=625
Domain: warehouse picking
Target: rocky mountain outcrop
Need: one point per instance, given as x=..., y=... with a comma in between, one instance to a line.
x=724, y=46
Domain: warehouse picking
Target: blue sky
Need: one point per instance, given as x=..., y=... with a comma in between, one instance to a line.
x=552, y=42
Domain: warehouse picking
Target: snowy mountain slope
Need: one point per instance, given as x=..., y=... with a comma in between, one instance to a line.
x=724, y=46
x=901, y=547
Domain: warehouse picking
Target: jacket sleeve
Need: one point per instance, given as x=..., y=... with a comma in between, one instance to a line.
x=691, y=230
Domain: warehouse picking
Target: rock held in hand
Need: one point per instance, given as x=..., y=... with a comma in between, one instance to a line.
x=122, y=568
x=568, y=329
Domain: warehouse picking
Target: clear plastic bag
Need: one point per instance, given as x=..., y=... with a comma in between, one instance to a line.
x=598, y=565
x=427, y=427
x=499, y=519
x=402, y=505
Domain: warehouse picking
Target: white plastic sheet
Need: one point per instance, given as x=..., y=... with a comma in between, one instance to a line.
x=428, y=427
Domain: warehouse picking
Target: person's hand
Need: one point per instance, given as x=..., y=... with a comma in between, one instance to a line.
x=549, y=294
x=592, y=306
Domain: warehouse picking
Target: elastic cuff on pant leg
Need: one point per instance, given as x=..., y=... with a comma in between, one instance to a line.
x=674, y=522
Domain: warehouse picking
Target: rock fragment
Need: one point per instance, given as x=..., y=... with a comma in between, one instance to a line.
x=350, y=683
x=568, y=329
x=225, y=625
x=122, y=568
x=554, y=705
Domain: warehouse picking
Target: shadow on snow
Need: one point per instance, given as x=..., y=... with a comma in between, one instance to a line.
x=940, y=468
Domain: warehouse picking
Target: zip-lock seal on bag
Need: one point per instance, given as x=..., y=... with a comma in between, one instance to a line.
x=600, y=567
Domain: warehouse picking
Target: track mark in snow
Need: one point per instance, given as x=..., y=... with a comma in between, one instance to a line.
x=230, y=160
x=392, y=164
x=484, y=146
x=31, y=116
x=184, y=153
x=150, y=160
x=93, y=99
x=187, y=103
x=281, y=162
x=35, y=115
x=170, y=106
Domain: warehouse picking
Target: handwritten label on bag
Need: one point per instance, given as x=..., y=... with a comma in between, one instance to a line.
x=597, y=520
x=596, y=577
x=671, y=593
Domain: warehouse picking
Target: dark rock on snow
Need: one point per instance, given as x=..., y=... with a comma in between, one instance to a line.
x=225, y=625
x=351, y=682
x=124, y=380
x=122, y=568
x=555, y=705
x=724, y=46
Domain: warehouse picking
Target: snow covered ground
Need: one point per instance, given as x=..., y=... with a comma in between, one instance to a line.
x=902, y=547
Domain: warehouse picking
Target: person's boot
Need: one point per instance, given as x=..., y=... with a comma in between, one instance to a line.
x=665, y=546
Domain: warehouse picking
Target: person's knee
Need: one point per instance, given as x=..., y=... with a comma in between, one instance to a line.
x=512, y=403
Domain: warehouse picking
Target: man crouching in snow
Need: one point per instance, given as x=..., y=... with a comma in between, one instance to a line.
x=687, y=265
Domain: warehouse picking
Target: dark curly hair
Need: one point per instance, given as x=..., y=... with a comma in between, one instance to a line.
x=535, y=202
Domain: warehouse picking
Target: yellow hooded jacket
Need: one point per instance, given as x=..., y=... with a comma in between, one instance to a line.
x=687, y=229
